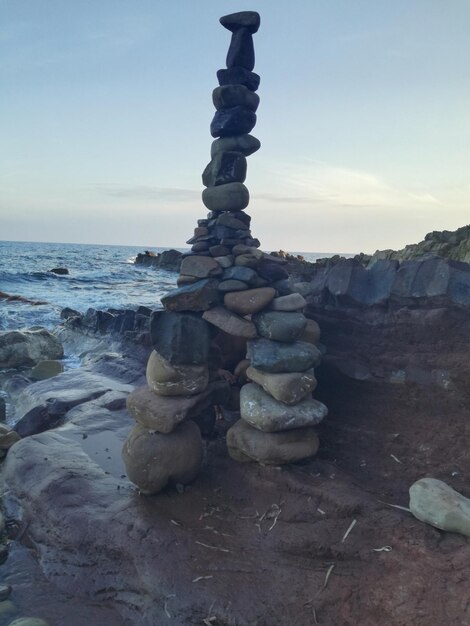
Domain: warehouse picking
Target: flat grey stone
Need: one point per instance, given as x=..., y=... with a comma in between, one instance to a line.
x=276, y=357
x=166, y=379
x=230, y=323
x=246, y=144
x=200, y=295
x=289, y=388
x=280, y=325
x=436, y=503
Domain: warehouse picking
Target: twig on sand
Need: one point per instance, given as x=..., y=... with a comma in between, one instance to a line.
x=210, y=618
x=205, y=545
x=328, y=574
x=196, y=580
x=397, y=506
x=173, y=521
x=165, y=605
x=395, y=459
x=382, y=549
x=351, y=526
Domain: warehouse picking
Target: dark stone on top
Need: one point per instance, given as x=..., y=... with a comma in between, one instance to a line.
x=199, y=296
x=241, y=19
x=241, y=52
x=276, y=357
x=229, y=96
x=252, y=243
x=238, y=76
x=225, y=167
x=200, y=246
x=181, y=338
x=271, y=270
x=246, y=144
x=234, y=121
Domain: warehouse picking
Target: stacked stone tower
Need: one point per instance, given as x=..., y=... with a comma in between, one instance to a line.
x=227, y=288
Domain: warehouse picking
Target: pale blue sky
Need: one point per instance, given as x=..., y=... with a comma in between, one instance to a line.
x=364, y=120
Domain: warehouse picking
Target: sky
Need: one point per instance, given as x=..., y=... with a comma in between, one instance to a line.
x=364, y=120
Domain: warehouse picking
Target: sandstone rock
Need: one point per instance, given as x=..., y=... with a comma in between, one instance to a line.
x=198, y=296
x=154, y=460
x=265, y=413
x=289, y=388
x=200, y=266
x=7, y=437
x=311, y=333
x=246, y=443
x=434, y=502
x=291, y=302
x=175, y=380
x=230, y=322
x=232, y=285
x=250, y=300
x=280, y=325
x=181, y=338
x=46, y=369
x=238, y=76
x=242, y=19
x=229, y=96
x=228, y=197
x=241, y=52
x=246, y=144
x=275, y=357
x=164, y=413
x=27, y=347
x=237, y=120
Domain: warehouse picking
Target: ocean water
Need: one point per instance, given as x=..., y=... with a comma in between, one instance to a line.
x=100, y=276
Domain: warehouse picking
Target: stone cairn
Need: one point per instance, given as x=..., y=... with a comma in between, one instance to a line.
x=227, y=288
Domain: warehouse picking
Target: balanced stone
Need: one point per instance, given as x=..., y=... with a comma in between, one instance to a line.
x=229, y=220
x=289, y=388
x=200, y=266
x=246, y=444
x=242, y=248
x=237, y=120
x=245, y=274
x=230, y=323
x=198, y=296
x=276, y=357
x=183, y=280
x=280, y=325
x=271, y=270
x=241, y=19
x=291, y=302
x=229, y=96
x=228, y=197
x=225, y=167
x=311, y=332
x=166, y=379
x=246, y=144
x=265, y=413
x=241, y=52
x=436, y=503
x=238, y=76
x=164, y=413
x=200, y=246
x=218, y=250
x=181, y=338
x=226, y=286
x=154, y=460
x=224, y=261
x=246, y=260
x=249, y=301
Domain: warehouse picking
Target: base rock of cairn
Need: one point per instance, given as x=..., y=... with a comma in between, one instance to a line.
x=226, y=299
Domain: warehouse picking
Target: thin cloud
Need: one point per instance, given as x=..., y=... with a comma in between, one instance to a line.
x=148, y=192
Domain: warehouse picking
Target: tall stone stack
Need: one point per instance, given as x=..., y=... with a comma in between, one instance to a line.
x=226, y=286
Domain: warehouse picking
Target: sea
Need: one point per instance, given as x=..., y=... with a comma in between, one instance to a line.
x=100, y=277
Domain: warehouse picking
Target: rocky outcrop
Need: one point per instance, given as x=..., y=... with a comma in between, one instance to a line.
x=28, y=347
x=452, y=245
x=167, y=260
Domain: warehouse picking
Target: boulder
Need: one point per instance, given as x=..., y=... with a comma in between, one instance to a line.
x=200, y=266
x=166, y=379
x=230, y=323
x=197, y=296
x=265, y=413
x=246, y=144
x=46, y=369
x=275, y=357
x=28, y=347
x=228, y=96
x=246, y=443
x=225, y=167
x=436, y=503
x=250, y=300
x=181, y=338
x=154, y=460
x=289, y=388
x=164, y=413
x=228, y=197
x=280, y=325
x=60, y=271
x=291, y=302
